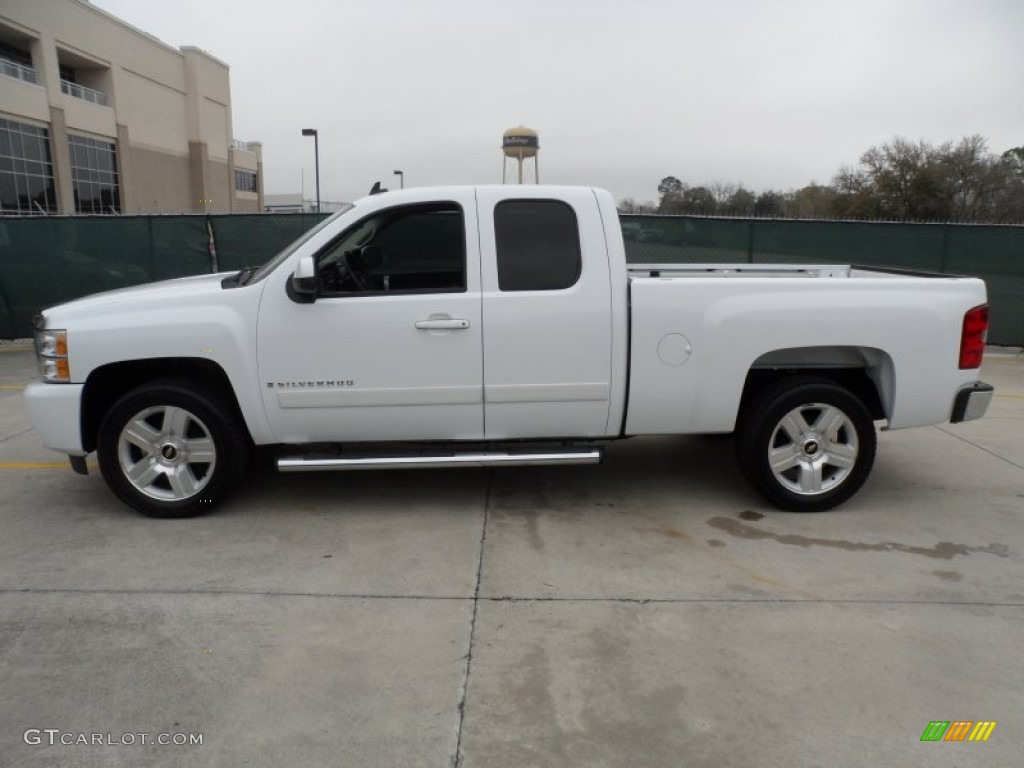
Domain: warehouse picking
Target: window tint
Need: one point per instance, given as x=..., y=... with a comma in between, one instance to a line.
x=414, y=249
x=538, y=243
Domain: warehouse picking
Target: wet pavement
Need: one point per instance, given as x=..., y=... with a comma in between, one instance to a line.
x=650, y=611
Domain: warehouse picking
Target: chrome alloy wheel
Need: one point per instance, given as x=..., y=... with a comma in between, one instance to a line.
x=813, y=449
x=167, y=453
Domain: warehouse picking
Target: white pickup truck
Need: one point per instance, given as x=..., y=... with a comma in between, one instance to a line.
x=495, y=326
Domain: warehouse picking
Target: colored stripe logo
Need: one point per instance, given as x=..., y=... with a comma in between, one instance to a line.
x=958, y=730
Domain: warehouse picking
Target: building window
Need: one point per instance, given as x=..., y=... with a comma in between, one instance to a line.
x=245, y=181
x=26, y=171
x=15, y=53
x=94, y=175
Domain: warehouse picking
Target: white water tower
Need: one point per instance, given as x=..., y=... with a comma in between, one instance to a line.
x=520, y=144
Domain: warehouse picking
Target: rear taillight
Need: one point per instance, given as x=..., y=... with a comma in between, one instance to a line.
x=972, y=340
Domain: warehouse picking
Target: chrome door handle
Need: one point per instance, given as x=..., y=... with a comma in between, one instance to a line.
x=442, y=325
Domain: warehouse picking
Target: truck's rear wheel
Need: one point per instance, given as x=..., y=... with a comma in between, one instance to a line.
x=171, y=448
x=806, y=444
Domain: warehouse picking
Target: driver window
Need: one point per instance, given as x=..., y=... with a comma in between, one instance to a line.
x=412, y=249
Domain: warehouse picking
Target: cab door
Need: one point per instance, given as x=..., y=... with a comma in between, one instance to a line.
x=547, y=314
x=391, y=347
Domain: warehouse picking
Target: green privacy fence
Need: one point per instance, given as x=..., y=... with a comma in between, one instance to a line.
x=995, y=253
x=246, y=241
x=47, y=260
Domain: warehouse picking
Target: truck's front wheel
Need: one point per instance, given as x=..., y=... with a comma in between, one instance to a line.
x=171, y=448
x=806, y=444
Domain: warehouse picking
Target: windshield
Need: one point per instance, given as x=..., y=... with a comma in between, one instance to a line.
x=271, y=265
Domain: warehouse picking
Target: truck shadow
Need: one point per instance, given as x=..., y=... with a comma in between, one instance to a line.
x=692, y=468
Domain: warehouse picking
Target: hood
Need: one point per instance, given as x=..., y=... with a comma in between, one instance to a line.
x=165, y=291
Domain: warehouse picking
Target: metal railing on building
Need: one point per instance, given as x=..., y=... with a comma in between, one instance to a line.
x=18, y=71
x=81, y=92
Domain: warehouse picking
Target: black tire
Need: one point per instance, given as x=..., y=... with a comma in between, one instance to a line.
x=158, y=467
x=822, y=438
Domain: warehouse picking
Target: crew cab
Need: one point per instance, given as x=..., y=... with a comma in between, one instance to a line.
x=494, y=326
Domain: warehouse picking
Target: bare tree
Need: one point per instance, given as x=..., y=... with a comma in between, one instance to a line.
x=629, y=205
x=900, y=179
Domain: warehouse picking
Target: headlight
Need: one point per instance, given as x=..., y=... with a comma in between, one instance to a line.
x=52, y=352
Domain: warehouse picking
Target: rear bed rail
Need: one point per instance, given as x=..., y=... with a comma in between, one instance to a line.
x=738, y=270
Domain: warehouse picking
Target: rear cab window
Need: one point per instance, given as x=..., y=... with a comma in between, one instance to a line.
x=538, y=245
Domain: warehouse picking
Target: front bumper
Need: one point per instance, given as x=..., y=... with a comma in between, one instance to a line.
x=56, y=412
x=972, y=402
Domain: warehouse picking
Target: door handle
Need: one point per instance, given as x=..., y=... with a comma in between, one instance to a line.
x=449, y=324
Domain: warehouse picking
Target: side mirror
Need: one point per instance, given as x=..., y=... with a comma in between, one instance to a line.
x=302, y=285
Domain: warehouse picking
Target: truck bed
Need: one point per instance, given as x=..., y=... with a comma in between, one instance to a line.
x=696, y=331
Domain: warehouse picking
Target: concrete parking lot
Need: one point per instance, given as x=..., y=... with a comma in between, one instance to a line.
x=651, y=611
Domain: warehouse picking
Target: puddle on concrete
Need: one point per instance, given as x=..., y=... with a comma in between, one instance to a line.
x=944, y=550
x=717, y=543
x=750, y=515
x=949, y=575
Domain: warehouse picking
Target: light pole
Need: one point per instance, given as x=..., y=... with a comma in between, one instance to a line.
x=401, y=177
x=316, y=150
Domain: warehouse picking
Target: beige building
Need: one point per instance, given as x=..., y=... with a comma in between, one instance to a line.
x=97, y=116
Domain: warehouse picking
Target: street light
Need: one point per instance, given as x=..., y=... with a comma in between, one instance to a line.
x=316, y=149
x=401, y=177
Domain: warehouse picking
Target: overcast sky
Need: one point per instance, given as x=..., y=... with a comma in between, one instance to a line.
x=768, y=93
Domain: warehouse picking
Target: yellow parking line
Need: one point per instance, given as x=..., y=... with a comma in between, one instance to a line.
x=39, y=465
x=13, y=386
x=1014, y=395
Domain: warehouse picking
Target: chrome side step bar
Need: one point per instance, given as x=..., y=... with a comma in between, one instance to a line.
x=439, y=460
